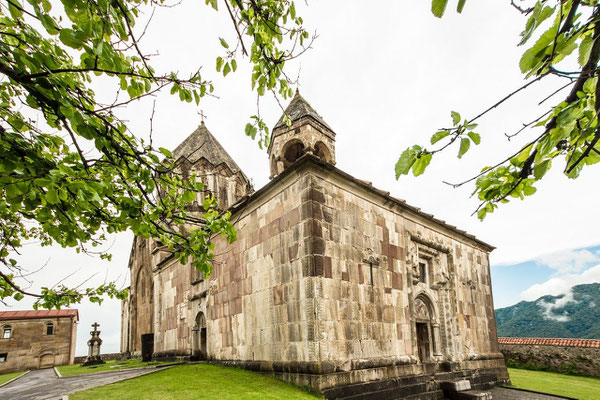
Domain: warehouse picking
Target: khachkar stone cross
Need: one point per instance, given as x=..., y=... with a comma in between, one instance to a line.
x=94, y=347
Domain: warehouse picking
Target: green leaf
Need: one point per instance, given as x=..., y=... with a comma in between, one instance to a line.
x=438, y=7
x=455, y=117
x=439, y=136
x=465, y=143
x=585, y=49
x=523, y=155
x=223, y=43
x=540, y=170
x=250, y=130
x=405, y=162
x=188, y=196
x=460, y=6
x=474, y=137
x=538, y=16
x=590, y=85
x=226, y=69
x=166, y=152
x=532, y=58
x=71, y=38
x=52, y=196
x=529, y=190
x=421, y=163
x=15, y=12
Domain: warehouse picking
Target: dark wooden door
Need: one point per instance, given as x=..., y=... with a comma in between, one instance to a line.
x=147, y=346
x=423, y=341
x=203, y=343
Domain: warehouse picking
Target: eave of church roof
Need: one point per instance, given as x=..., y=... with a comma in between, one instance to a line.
x=299, y=108
x=309, y=158
x=202, y=144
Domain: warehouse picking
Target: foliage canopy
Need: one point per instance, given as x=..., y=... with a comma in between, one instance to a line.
x=80, y=174
x=568, y=130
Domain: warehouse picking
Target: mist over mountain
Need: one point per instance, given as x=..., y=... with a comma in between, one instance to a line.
x=572, y=315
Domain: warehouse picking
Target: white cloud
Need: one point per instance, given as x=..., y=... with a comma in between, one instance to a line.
x=561, y=284
x=550, y=309
x=569, y=261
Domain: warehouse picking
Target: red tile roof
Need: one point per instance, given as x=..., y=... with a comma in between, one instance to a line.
x=551, y=342
x=35, y=314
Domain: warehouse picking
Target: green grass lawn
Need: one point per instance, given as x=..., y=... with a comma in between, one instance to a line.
x=7, y=377
x=66, y=370
x=197, y=381
x=579, y=387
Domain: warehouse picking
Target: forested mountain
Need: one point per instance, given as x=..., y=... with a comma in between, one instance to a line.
x=553, y=316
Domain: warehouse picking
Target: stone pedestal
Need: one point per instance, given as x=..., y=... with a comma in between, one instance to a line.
x=94, y=344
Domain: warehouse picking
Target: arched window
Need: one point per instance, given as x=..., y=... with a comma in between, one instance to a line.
x=7, y=332
x=323, y=152
x=223, y=197
x=293, y=151
x=49, y=328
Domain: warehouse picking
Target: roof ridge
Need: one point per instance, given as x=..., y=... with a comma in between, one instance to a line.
x=568, y=342
x=33, y=314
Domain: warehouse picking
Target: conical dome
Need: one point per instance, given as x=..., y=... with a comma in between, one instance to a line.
x=299, y=108
x=307, y=133
x=202, y=144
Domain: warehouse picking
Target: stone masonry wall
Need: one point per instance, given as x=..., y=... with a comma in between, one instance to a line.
x=360, y=321
x=30, y=347
x=575, y=360
x=261, y=305
x=258, y=303
x=172, y=319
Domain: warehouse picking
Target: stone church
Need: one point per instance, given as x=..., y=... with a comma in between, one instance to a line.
x=332, y=283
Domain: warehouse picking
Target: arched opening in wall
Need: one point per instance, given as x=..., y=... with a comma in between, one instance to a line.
x=425, y=337
x=323, y=152
x=49, y=328
x=7, y=332
x=293, y=151
x=46, y=360
x=199, y=337
x=223, y=198
x=144, y=308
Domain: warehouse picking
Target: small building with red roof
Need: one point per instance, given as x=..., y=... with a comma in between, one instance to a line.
x=33, y=339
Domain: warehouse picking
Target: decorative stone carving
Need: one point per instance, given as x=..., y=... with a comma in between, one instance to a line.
x=421, y=310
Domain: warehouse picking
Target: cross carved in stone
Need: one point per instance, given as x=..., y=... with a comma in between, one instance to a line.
x=95, y=325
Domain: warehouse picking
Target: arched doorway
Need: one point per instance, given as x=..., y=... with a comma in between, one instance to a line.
x=143, y=307
x=47, y=360
x=199, y=338
x=424, y=329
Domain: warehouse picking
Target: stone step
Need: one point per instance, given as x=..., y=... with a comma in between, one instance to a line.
x=470, y=395
x=458, y=385
x=417, y=391
x=345, y=391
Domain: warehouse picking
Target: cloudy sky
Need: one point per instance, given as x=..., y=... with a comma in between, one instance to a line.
x=384, y=77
